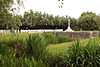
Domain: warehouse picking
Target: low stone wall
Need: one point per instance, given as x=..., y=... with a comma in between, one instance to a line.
x=72, y=35
x=79, y=34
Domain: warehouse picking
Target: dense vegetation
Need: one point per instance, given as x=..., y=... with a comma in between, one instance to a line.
x=44, y=50
x=38, y=20
x=88, y=21
x=8, y=20
x=26, y=49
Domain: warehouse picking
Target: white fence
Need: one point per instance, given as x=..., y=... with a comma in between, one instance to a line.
x=32, y=31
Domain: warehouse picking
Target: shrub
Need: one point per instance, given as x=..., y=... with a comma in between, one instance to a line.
x=50, y=38
x=55, y=39
x=9, y=41
x=36, y=46
x=62, y=39
x=3, y=48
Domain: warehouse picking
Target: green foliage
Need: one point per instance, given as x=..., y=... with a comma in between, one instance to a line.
x=10, y=61
x=33, y=19
x=13, y=52
x=58, y=52
x=14, y=47
x=19, y=49
x=50, y=38
x=36, y=46
x=74, y=24
x=88, y=21
x=80, y=56
x=55, y=60
x=62, y=39
x=3, y=49
x=12, y=41
x=7, y=19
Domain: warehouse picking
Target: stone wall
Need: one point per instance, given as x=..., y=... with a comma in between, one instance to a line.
x=79, y=34
x=72, y=35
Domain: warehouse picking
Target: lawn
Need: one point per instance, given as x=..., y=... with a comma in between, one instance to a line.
x=61, y=48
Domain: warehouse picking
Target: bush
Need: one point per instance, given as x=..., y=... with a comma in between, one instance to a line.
x=62, y=39
x=50, y=38
x=36, y=46
x=55, y=39
x=9, y=41
x=3, y=48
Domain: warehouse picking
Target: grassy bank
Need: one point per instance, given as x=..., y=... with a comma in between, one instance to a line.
x=61, y=48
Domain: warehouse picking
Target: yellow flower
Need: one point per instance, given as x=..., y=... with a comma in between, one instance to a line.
x=90, y=62
x=14, y=55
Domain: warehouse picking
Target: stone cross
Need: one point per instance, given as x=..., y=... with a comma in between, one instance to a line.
x=69, y=23
x=68, y=29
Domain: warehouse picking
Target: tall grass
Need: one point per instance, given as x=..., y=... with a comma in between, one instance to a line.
x=11, y=61
x=20, y=51
x=83, y=56
x=36, y=46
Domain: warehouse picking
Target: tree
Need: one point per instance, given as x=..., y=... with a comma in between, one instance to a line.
x=74, y=24
x=27, y=19
x=6, y=16
x=98, y=21
x=57, y=20
x=88, y=21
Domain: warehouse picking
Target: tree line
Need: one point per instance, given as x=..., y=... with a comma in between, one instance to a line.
x=38, y=20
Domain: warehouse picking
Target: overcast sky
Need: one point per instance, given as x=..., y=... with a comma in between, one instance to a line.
x=72, y=8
